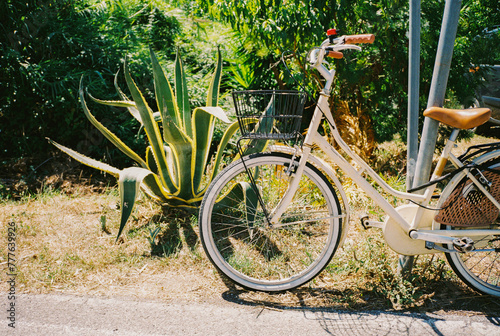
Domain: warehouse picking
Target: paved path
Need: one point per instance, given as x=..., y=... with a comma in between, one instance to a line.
x=74, y=315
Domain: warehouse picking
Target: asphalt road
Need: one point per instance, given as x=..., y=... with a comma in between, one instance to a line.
x=76, y=315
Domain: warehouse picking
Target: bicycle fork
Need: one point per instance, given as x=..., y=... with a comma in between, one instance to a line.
x=295, y=173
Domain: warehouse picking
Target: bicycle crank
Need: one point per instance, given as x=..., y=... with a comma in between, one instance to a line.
x=462, y=244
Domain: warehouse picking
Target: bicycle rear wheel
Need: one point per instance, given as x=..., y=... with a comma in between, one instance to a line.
x=238, y=240
x=480, y=268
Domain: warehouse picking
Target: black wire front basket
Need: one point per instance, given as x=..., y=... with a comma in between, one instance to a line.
x=269, y=114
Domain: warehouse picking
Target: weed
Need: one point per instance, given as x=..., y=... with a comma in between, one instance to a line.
x=103, y=224
x=152, y=236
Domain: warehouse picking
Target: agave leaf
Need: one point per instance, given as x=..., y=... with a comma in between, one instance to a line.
x=108, y=134
x=170, y=159
x=116, y=103
x=164, y=94
x=253, y=146
x=152, y=132
x=216, y=112
x=157, y=116
x=251, y=202
x=203, y=127
x=150, y=160
x=228, y=134
x=265, y=125
x=173, y=134
x=86, y=160
x=240, y=191
x=151, y=185
x=213, y=90
x=181, y=147
x=129, y=183
x=132, y=109
x=182, y=95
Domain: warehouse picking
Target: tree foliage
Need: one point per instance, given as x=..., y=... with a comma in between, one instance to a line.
x=376, y=78
x=47, y=45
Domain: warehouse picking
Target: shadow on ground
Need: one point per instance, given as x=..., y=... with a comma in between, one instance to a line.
x=452, y=316
x=447, y=299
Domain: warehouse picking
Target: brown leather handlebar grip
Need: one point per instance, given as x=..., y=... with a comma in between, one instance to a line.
x=356, y=39
x=335, y=54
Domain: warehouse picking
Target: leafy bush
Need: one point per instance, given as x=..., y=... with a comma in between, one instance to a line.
x=48, y=45
x=375, y=80
x=46, y=48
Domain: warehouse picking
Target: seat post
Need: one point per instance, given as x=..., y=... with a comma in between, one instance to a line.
x=454, y=135
x=443, y=159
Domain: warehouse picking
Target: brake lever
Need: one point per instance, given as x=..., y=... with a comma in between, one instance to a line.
x=339, y=47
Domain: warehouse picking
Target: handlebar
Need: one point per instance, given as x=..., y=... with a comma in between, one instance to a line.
x=331, y=47
x=357, y=39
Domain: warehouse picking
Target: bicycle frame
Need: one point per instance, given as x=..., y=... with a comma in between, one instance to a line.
x=414, y=225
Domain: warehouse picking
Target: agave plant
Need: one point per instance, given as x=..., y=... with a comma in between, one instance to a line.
x=174, y=170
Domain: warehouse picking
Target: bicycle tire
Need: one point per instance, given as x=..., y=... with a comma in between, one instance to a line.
x=237, y=241
x=480, y=268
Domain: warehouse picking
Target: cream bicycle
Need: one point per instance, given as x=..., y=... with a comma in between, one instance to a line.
x=272, y=221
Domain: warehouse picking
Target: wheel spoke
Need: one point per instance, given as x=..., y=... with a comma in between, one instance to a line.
x=280, y=256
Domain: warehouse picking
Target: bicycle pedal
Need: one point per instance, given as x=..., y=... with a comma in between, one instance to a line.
x=363, y=218
x=464, y=244
x=366, y=223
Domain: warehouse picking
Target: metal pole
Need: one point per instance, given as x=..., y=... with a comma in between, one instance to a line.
x=438, y=89
x=413, y=90
x=405, y=263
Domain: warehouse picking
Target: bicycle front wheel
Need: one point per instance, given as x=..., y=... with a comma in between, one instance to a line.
x=239, y=240
x=480, y=268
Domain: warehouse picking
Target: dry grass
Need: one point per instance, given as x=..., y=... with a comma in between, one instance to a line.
x=62, y=246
